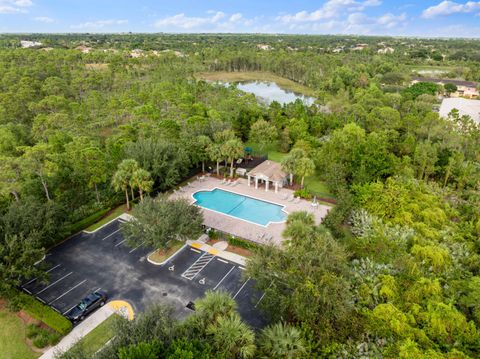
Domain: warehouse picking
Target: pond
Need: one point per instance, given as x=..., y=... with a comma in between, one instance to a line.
x=270, y=91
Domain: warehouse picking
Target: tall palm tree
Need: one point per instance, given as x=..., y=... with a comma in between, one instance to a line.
x=282, y=341
x=232, y=149
x=232, y=338
x=120, y=182
x=304, y=167
x=214, y=305
x=214, y=152
x=142, y=180
x=129, y=166
x=290, y=161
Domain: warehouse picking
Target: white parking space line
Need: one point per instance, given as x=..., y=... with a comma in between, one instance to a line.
x=34, y=279
x=58, y=280
x=263, y=295
x=195, y=250
x=134, y=249
x=241, y=288
x=119, y=243
x=68, y=291
x=111, y=234
x=241, y=268
x=26, y=290
x=222, y=260
x=58, y=265
x=69, y=309
x=225, y=276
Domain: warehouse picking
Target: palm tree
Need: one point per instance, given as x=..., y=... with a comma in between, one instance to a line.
x=214, y=152
x=304, y=167
x=232, y=149
x=142, y=180
x=282, y=341
x=290, y=161
x=232, y=338
x=214, y=305
x=203, y=144
x=120, y=182
x=129, y=166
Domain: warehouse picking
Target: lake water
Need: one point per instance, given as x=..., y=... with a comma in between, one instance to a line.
x=270, y=91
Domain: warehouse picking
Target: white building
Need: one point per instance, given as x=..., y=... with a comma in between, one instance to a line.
x=27, y=44
x=463, y=105
x=386, y=50
x=268, y=172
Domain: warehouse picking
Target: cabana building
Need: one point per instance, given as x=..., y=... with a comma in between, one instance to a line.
x=268, y=172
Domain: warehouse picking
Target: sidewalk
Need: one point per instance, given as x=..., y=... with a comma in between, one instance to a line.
x=232, y=257
x=86, y=327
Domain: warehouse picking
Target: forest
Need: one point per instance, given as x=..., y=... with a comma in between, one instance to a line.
x=393, y=271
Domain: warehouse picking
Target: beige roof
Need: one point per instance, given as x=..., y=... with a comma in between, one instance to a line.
x=269, y=169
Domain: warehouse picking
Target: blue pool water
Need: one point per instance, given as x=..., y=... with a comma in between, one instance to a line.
x=243, y=207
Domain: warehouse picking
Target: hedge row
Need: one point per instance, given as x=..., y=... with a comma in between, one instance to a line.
x=45, y=314
x=242, y=243
x=88, y=221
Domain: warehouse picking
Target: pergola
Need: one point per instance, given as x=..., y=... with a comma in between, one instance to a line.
x=268, y=171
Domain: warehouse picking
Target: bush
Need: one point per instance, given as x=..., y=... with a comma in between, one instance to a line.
x=303, y=193
x=32, y=331
x=242, y=243
x=41, y=340
x=45, y=314
x=212, y=234
x=86, y=222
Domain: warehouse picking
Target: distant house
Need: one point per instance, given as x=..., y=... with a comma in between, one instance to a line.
x=83, y=49
x=264, y=47
x=386, y=50
x=464, y=107
x=468, y=89
x=337, y=50
x=359, y=47
x=136, y=53
x=28, y=44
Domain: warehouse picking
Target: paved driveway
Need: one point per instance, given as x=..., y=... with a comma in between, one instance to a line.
x=102, y=260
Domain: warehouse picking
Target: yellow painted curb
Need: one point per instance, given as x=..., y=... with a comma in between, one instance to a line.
x=213, y=251
x=121, y=305
x=196, y=245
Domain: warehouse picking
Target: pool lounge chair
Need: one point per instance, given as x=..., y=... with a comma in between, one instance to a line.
x=235, y=183
x=224, y=181
x=296, y=200
x=291, y=198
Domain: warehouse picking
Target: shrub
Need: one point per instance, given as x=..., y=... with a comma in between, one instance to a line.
x=303, y=193
x=212, y=234
x=53, y=338
x=32, y=331
x=242, y=243
x=41, y=340
x=88, y=221
x=45, y=314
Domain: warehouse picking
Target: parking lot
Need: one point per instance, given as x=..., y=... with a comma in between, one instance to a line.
x=103, y=260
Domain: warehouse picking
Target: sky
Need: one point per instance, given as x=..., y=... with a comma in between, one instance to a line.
x=427, y=18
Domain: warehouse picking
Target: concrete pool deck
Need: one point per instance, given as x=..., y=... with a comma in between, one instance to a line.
x=243, y=229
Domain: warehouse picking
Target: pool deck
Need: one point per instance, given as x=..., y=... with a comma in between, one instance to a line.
x=248, y=230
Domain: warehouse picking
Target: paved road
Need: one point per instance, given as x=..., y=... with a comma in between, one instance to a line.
x=103, y=259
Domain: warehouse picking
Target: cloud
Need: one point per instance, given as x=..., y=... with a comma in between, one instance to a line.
x=450, y=7
x=189, y=22
x=214, y=21
x=45, y=19
x=331, y=9
x=99, y=24
x=14, y=6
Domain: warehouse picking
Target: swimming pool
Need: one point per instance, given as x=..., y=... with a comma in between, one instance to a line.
x=240, y=206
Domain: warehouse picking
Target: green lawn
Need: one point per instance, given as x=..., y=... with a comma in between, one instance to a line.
x=313, y=183
x=162, y=255
x=98, y=337
x=13, y=336
x=112, y=215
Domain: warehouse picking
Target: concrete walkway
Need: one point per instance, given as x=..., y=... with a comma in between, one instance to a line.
x=85, y=327
x=233, y=257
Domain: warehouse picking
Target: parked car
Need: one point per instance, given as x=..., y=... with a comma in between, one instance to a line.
x=87, y=305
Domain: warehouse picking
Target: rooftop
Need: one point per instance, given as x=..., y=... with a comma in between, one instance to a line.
x=464, y=107
x=269, y=169
x=445, y=81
